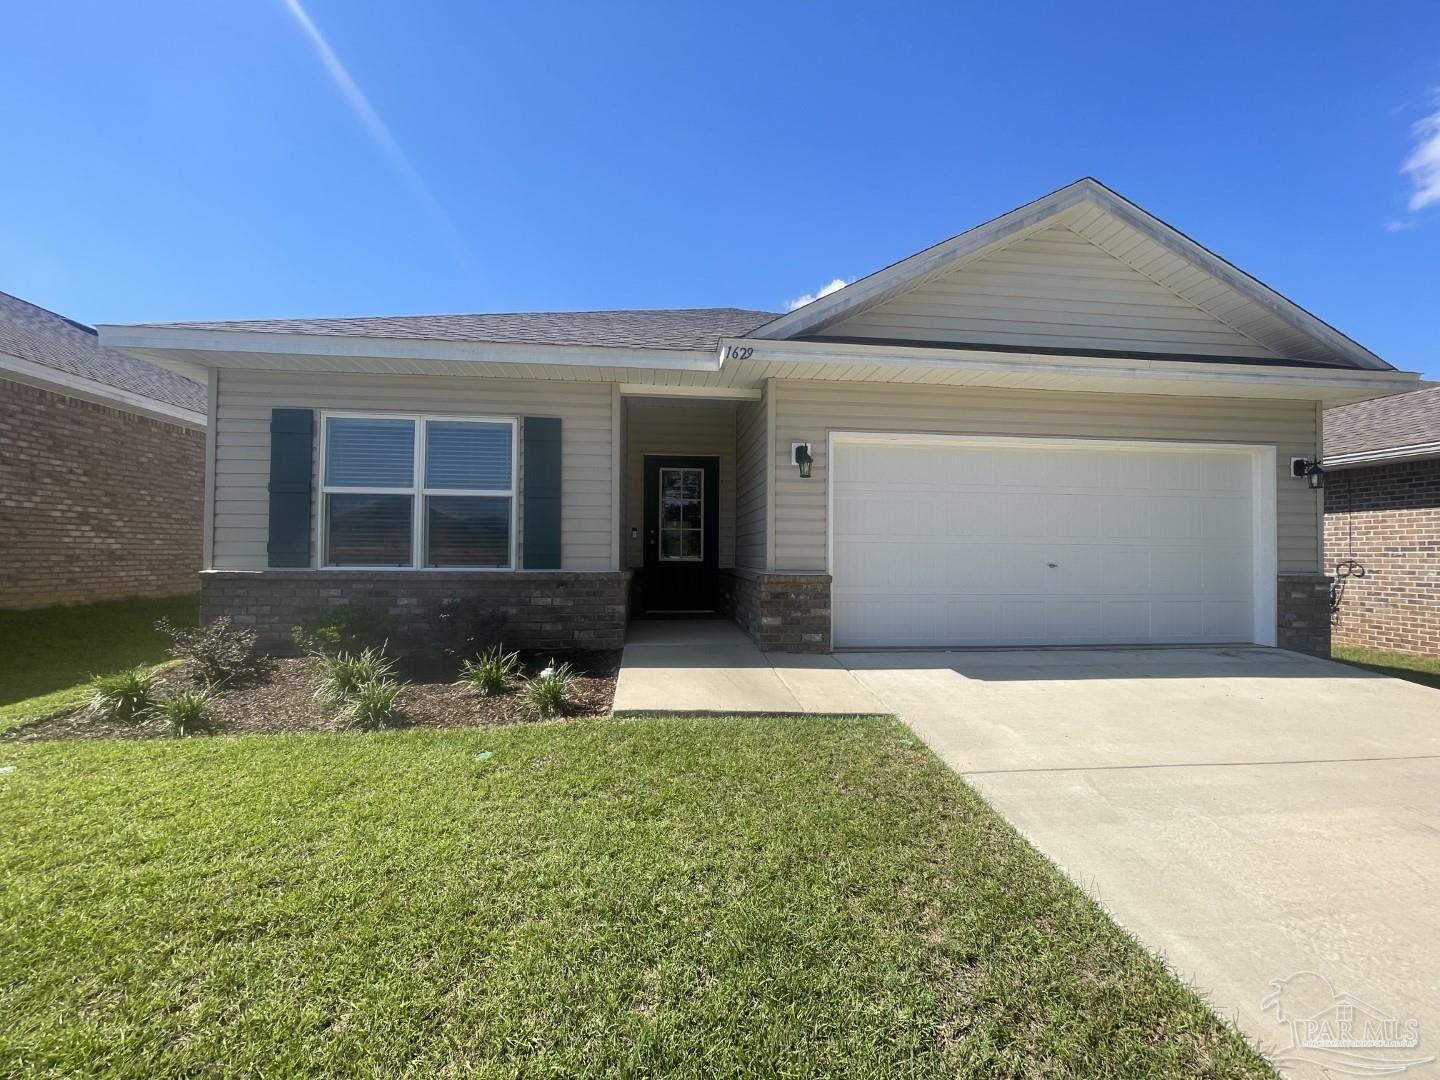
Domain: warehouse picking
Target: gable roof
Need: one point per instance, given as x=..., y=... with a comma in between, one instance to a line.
x=36, y=336
x=1401, y=426
x=1172, y=262
x=678, y=328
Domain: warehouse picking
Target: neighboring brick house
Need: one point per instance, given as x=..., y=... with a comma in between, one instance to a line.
x=1382, y=521
x=102, y=467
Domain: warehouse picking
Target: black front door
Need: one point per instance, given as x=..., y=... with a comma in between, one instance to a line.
x=682, y=531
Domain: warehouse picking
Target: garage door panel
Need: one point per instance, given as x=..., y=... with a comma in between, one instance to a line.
x=1124, y=517
x=1072, y=517
x=1226, y=570
x=984, y=545
x=1228, y=620
x=1177, y=571
x=1226, y=519
x=1174, y=518
x=1178, y=620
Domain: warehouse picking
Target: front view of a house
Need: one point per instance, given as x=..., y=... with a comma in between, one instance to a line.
x=1072, y=425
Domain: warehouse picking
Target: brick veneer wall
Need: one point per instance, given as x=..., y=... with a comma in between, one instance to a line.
x=780, y=612
x=1387, y=517
x=95, y=503
x=791, y=612
x=1302, y=613
x=541, y=609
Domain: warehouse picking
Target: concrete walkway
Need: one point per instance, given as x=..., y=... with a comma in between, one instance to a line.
x=705, y=665
x=1268, y=822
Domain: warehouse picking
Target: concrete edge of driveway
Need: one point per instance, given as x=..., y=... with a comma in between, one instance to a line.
x=711, y=667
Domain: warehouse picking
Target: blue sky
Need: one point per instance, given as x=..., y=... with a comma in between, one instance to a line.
x=174, y=160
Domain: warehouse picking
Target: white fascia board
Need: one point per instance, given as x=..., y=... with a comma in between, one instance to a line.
x=62, y=382
x=1413, y=452
x=230, y=348
x=1206, y=378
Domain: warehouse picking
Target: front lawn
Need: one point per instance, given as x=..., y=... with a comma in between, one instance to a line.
x=733, y=896
x=1424, y=670
x=48, y=656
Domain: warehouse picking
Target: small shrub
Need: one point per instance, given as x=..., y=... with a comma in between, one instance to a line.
x=548, y=694
x=372, y=704
x=220, y=652
x=492, y=673
x=187, y=713
x=124, y=697
x=462, y=627
x=342, y=674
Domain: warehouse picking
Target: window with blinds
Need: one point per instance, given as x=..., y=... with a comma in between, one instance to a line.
x=418, y=492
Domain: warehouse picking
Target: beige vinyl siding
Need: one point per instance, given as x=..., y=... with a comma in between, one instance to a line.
x=242, y=460
x=1054, y=289
x=1182, y=277
x=811, y=410
x=751, y=450
x=678, y=427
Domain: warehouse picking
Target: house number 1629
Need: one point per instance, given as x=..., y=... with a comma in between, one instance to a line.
x=739, y=352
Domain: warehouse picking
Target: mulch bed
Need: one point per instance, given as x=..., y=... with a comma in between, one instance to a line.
x=283, y=700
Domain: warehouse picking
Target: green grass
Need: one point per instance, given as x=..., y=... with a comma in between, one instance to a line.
x=1424, y=670
x=50, y=655
x=711, y=897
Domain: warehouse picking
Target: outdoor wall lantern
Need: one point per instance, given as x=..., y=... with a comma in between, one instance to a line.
x=801, y=451
x=1312, y=471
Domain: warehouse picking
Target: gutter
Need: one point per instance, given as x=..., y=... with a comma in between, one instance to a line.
x=1412, y=452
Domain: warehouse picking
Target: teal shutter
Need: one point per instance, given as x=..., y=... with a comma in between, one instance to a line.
x=292, y=469
x=540, y=493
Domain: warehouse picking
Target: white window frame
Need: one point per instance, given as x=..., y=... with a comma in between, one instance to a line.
x=417, y=490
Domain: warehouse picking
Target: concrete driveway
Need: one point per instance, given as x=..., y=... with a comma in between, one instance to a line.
x=1268, y=822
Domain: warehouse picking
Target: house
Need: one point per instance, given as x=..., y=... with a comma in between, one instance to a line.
x=1070, y=425
x=1382, y=521
x=101, y=467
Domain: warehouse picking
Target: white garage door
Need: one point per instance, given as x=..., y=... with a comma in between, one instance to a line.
x=953, y=542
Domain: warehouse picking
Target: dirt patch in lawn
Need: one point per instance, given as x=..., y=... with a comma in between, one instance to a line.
x=282, y=699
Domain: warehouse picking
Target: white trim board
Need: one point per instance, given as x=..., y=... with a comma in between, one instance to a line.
x=1263, y=480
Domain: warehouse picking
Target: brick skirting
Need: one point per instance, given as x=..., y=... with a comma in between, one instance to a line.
x=540, y=609
x=1302, y=613
x=780, y=612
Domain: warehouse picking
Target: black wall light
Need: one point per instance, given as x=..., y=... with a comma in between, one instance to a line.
x=1312, y=471
x=803, y=459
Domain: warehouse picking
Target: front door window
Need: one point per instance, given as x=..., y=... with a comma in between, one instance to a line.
x=682, y=515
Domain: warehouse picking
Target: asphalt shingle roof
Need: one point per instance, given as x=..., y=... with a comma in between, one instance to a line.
x=1383, y=424
x=680, y=328
x=42, y=337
